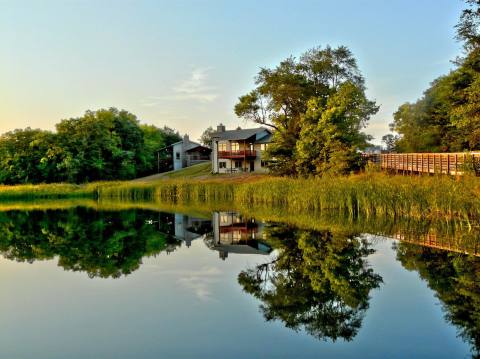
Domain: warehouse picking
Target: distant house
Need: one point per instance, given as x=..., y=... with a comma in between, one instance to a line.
x=239, y=150
x=181, y=154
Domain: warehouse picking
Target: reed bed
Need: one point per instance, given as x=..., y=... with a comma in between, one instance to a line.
x=46, y=191
x=368, y=194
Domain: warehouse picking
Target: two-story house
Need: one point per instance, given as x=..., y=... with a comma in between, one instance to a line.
x=239, y=150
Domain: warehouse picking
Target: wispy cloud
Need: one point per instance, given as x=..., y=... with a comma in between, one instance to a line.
x=196, y=87
x=193, y=88
x=200, y=282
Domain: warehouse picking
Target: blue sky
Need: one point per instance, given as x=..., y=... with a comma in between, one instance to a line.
x=184, y=63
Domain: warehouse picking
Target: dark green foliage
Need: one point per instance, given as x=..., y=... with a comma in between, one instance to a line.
x=102, y=244
x=101, y=145
x=319, y=96
x=154, y=139
x=319, y=281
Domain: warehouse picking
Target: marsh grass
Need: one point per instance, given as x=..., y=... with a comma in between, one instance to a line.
x=370, y=194
x=367, y=195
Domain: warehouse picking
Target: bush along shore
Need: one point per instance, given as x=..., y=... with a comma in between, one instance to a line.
x=370, y=194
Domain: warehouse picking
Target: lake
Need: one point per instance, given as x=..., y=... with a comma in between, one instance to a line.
x=91, y=281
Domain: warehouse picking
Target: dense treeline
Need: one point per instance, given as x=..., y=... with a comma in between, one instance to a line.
x=447, y=117
x=317, y=107
x=101, y=145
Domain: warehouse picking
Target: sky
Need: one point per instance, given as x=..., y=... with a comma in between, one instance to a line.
x=184, y=64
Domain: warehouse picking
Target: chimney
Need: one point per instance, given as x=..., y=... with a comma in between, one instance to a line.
x=186, y=138
x=221, y=128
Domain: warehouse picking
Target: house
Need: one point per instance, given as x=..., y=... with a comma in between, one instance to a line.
x=239, y=150
x=233, y=233
x=181, y=154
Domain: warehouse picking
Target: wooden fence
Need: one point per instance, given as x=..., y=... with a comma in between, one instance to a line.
x=434, y=163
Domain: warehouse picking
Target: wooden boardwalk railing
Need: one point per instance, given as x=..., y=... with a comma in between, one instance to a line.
x=432, y=240
x=435, y=163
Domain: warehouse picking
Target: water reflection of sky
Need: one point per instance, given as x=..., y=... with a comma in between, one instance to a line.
x=189, y=303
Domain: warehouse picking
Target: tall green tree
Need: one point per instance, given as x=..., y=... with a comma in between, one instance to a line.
x=282, y=94
x=155, y=138
x=101, y=145
x=28, y=156
x=330, y=135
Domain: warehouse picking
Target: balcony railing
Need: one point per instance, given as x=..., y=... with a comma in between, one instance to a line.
x=237, y=154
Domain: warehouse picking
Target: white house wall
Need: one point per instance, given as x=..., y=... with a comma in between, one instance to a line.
x=178, y=163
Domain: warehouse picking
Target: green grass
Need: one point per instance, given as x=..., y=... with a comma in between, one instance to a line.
x=195, y=171
x=366, y=195
x=202, y=169
x=57, y=190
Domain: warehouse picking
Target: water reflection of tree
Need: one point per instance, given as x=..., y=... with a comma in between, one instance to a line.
x=318, y=281
x=455, y=279
x=103, y=244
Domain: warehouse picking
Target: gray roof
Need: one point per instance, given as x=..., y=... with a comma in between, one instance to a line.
x=265, y=139
x=239, y=134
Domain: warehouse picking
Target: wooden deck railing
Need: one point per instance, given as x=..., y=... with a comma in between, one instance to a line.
x=435, y=163
x=237, y=154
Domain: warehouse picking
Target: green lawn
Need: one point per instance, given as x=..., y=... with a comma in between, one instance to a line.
x=196, y=171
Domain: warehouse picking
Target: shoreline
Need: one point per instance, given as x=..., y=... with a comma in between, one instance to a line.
x=368, y=194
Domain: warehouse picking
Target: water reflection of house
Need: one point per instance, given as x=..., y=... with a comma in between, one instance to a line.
x=233, y=233
x=189, y=228
x=182, y=227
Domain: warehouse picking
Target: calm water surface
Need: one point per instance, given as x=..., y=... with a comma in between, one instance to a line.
x=82, y=283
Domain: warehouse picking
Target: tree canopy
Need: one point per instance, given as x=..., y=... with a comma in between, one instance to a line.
x=101, y=145
x=305, y=100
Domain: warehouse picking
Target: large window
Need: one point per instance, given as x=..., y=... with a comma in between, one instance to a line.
x=222, y=164
x=235, y=146
x=238, y=164
x=263, y=146
x=222, y=146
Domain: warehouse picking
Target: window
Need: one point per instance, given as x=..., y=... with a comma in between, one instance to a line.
x=238, y=164
x=177, y=155
x=263, y=146
x=222, y=164
x=222, y=146
x=263, y=163
x=235, y=146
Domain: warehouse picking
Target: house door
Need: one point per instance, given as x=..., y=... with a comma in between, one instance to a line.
x=252, y=166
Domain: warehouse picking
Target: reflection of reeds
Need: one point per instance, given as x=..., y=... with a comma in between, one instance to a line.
x=455, y=235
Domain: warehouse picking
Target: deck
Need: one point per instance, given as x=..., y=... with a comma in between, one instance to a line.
x=432, y=163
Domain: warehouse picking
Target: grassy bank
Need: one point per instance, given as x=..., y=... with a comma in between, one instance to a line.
x=365, y=194
x=47, y=191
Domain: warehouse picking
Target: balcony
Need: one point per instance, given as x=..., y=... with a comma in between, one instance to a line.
x=237, y=154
